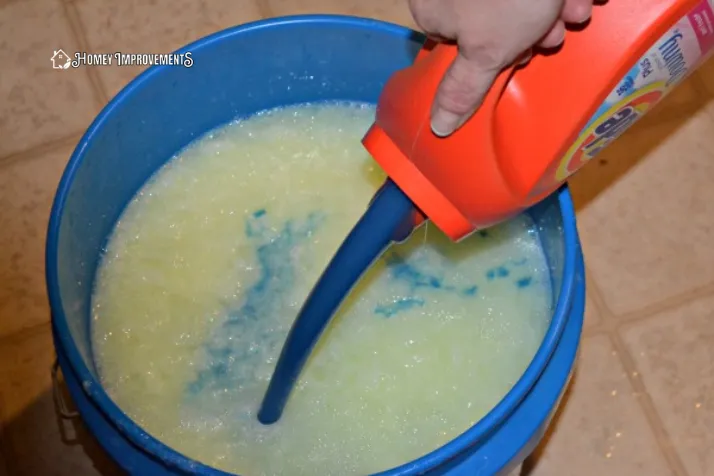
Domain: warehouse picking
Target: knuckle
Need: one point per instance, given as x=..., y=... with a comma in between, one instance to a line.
x=417, y=5
x=428, y=15
x=486, y=54
x=459, y=92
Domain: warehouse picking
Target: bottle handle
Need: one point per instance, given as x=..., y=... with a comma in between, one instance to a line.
x=441, y=55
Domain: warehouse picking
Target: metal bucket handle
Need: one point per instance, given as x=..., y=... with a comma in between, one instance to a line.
x=57, y=396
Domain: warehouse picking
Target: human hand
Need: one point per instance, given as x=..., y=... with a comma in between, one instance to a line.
x=491, y=35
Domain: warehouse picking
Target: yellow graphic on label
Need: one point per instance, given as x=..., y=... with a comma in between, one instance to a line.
x=608, y=127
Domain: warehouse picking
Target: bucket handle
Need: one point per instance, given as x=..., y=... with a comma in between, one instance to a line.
x=59, y=400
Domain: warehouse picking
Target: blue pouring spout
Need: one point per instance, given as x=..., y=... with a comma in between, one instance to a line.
x=389, y=218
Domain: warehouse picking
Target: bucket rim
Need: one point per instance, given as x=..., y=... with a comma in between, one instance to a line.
x=174, y=459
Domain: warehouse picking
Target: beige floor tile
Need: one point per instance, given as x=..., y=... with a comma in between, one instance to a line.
x=27, y=188
x=54, y=103
x=644, y=211
x=157, y=26
x=601, y=428
x=395, y=11
x=706, y=73
x=36, y=441
x=674, y=353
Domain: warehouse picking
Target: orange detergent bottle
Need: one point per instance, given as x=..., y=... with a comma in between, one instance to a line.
x=539, y=123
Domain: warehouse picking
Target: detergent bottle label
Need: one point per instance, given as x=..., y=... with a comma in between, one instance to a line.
x=679, y=52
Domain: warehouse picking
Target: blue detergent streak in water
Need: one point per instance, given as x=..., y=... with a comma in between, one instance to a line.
x=401, y=305
x=470, y=291
x=500, y=272
x=402, y=270
x=277, y=277
x=416, y=279
x=497, y=272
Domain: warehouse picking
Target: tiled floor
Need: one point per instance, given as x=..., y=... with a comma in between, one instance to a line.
x=642, y=402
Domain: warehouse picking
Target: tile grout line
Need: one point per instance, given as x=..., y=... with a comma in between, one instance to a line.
x=593, y=331
x=672, y=302
x=40, y=149
x=101, y=98
x=666, y=304
x=662, y=438
x=26, y=333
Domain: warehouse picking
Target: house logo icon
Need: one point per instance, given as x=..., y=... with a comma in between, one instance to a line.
x=60, y=60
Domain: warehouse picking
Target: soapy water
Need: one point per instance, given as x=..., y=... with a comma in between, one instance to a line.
x=211, y=261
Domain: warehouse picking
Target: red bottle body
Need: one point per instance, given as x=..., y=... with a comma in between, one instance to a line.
x=540, y=123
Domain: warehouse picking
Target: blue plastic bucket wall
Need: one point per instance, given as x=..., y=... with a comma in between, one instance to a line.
x=237, y=73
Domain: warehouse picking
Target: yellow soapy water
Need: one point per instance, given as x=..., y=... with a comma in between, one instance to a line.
x=211, y=261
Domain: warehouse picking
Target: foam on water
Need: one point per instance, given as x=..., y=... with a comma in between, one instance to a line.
x=210, y=264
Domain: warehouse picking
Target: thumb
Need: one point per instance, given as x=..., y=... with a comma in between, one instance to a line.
x=460, y=93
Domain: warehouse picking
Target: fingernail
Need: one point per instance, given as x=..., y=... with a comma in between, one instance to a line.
x=561, y=40
x=444, y=122
x=585, y=14
x=526, y=58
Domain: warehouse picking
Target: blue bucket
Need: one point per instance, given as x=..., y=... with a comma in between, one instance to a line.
x=236, y=73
